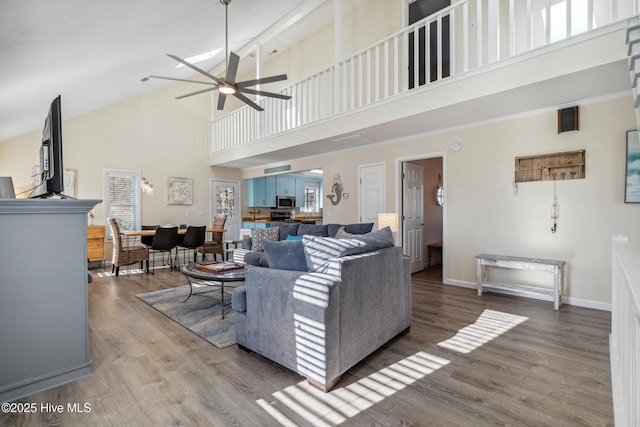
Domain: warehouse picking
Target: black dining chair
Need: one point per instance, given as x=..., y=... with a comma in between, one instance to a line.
x=181, y=235
x=193, y=239
x=147, y=241
x=165, y=240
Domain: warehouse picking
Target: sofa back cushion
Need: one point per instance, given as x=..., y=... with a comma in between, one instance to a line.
x=319, y=250
x=313, y=230
x=288, y=230
x=286, y=255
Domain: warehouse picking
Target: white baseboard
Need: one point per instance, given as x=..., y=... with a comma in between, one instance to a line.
x=579, y=302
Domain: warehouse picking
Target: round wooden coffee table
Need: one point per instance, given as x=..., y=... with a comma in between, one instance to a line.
x=211, y=278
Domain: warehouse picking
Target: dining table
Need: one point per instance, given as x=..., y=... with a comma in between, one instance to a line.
x=128, y=235
x=146, y=233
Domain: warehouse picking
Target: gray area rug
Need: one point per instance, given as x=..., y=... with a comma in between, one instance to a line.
x=200, y=314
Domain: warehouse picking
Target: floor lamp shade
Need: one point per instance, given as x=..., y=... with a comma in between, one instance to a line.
x=388, y=219
x=6, y=188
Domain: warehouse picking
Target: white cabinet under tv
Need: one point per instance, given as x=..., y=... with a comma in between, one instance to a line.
x=44, y=324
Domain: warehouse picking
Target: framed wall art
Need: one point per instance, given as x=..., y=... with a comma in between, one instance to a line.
x=632, y=176
x=179, y=191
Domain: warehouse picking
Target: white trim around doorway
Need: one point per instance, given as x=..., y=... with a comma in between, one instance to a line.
x=398, y=202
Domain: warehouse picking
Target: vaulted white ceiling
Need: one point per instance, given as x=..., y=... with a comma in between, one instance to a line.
x=95, y=53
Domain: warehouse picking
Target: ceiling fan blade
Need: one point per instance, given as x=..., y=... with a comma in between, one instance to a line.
x=262, y=80
x=197, y=92
x=193, y=67
x=263, y=93
x=221, y=99
x=232, y=68
x=180, y=80
x=247, y=101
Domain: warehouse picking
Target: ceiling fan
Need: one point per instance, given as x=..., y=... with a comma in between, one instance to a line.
x=228, y=85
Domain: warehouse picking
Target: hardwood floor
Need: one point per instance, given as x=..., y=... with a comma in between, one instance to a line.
x=467, y=361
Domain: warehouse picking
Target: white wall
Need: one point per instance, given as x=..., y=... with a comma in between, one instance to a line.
x=482, y=214
x=114, y=138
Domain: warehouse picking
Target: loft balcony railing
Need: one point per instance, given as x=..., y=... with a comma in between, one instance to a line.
x=465, y=36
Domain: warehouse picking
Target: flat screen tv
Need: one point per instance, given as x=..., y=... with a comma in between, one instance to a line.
x=51, y=169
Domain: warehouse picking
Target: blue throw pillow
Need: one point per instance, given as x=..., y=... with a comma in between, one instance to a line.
x=290, y=237
x=285, y=255
x=288, y=229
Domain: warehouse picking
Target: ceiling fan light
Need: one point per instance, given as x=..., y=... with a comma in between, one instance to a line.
x=227, y=89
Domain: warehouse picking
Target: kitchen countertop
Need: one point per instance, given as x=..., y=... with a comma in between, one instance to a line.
x=296, y=218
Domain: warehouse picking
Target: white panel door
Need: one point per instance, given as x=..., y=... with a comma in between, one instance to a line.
x=413, y=214
x=372, y=192
x=225, y=201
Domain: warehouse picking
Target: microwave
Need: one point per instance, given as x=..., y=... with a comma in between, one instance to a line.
x=285, y=202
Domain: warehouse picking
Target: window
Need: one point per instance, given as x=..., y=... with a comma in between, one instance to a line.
x=122, y=198
x=310, y=204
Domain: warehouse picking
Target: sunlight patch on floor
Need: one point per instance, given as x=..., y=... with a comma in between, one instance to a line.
x=327, y=409
x=125, y=271
x=491, y=324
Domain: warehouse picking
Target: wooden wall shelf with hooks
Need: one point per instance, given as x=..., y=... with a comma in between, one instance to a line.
x=549, y=167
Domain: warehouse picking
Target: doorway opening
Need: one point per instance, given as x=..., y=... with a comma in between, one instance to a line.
x=422, y=211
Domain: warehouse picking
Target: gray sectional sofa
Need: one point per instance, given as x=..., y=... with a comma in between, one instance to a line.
x=321, y=314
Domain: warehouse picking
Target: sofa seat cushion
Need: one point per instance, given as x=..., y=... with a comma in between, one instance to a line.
x=286, y=255
x=259, y=235
x=319, y=250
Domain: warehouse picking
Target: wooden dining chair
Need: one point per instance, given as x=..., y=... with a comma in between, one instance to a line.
x=214, y=246
x=125, y=255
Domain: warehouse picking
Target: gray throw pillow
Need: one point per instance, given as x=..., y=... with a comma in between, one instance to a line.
x=259, y=235
x=286, y=255
x=375, y=240
x=357, y=228
x=318, y=250
x=342, y=234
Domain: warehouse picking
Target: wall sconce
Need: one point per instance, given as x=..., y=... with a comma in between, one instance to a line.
x=146, y=186
x=440, y=192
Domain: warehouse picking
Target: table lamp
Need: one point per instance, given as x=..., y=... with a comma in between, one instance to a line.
x=389, y=219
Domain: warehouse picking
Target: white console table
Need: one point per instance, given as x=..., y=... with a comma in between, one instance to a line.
x=552, y=266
